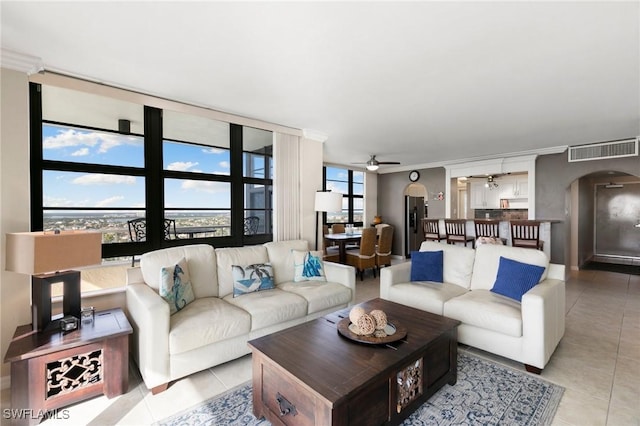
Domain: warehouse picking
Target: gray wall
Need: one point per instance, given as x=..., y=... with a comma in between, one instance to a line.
x=554, y=175
x=391, y=188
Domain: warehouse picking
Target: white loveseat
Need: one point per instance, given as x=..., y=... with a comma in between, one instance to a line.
x=216, y=326
x=526, y=332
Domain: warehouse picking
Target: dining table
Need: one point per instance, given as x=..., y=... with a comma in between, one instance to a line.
x=341, y=240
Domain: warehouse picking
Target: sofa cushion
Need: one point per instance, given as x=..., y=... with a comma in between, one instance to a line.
x=202, y=267
x=250, y=278
x=319, y=295
x=281, y=258
x=175, y=285
x=227, y=257
x=426, y=266
x=308, y=266
x=457, y=262
x=516, y=278
x=487, y=261
x=483, y=309
x=426, y=296
x=270, y=307
x=206, y=320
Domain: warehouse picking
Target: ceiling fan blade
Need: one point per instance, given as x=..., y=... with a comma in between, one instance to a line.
x=388, y=162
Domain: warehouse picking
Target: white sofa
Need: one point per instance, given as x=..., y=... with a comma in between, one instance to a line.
x=216, y=326
x=526, y=332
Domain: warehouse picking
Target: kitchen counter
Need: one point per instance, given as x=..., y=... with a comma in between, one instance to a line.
x=505, y=231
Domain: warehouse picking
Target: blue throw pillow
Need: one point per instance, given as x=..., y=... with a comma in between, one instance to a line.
x=427, y=266
x=247, y=279
x=516, y=278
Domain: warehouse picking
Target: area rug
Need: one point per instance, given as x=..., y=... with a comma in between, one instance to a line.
x=486, y=393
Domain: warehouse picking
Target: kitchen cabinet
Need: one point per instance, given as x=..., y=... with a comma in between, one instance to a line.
x=483, y=197
x=514, y=187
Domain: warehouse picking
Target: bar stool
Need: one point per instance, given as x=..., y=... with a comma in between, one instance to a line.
x=526, y=233
x=488, y=228
x=456, y=230
x=431, y=230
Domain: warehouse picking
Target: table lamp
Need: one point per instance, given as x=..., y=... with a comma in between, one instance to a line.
x=47, y=257
x=326, y=201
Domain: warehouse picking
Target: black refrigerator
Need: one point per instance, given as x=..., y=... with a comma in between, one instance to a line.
x=415, y=210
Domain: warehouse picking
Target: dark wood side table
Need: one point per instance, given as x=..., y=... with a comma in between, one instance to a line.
x=54, y=369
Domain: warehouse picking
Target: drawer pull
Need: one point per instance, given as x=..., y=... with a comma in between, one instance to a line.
x=286, y=407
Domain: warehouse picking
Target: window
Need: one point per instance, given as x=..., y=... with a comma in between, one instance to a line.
x=88, y=171
x=350, y=183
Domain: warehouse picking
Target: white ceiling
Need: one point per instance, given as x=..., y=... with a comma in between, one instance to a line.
x=416, y=82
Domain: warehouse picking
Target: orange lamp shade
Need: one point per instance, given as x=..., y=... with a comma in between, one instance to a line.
x=36, y=253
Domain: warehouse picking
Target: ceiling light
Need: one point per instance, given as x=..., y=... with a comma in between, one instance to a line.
x=372, y=167
x=490, y=183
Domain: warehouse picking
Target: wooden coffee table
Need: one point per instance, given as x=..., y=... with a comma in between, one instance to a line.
x=311, y=375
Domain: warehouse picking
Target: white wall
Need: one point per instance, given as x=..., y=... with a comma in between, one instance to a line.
x=15, y=289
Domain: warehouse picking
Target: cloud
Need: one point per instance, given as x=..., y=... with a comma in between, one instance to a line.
x=224, y=164
x=109, y=201
x=100, y=179
x=182, y=166
x=104, y=141
x=49, y=201
x=81, y=152
x=205, y=186
x=213, y=150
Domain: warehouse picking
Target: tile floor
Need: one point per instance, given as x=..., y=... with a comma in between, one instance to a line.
x=597, y=362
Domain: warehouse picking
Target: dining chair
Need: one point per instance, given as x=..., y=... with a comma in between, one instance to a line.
x=526, y=233
x=365, y=256
x=138, y=231
x=337, y=228
x=456, y=231
x=251, y=224
x=383, y=248
x=431, y=229
x=331, y=252
x=489, y=228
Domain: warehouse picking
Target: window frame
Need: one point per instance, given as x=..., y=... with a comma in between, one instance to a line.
x=350, y=196
x=153, y=173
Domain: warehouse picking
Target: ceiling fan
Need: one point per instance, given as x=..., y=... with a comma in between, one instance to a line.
x=373, y=164
x=490, y=183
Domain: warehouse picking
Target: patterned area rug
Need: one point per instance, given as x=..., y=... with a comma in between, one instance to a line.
x=486, y=394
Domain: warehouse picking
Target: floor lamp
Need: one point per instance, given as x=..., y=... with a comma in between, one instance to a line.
x=326, y=201
x=47, y=257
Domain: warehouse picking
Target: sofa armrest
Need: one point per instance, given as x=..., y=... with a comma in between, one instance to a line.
x=134, y=275
x=400, y=273
x=543, y=316
x=341, y=274
x=150, y=319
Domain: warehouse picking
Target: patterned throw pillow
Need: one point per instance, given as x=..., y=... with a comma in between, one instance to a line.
x=175, y=286
x=308, y=266
x=515, y=278
x=256, y=277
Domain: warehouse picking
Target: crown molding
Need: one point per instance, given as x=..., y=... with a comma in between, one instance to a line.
x=486, y=158
x=315, y=135
x=20, y=62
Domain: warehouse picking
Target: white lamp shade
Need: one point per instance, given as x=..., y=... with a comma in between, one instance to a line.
x=327, y=201
x=35, y=253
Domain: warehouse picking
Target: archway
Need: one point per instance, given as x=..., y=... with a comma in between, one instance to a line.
x=416, y=204
x=604, y=211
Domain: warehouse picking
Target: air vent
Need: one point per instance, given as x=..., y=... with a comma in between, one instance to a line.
x=604, y=150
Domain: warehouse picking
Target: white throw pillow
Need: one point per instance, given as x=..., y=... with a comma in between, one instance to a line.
x=308, y=266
